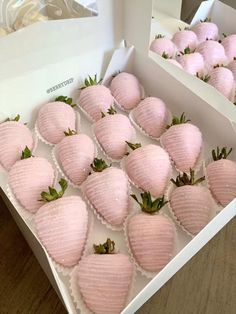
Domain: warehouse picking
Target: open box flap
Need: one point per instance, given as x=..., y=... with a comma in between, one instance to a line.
x=172, y=8
x=220, y=13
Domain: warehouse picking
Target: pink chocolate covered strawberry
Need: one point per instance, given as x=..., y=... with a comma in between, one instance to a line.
x=183, y=142
x=185, y=38
x=232, y=67
x=191, y=203
x=206, y=30
x=126, y=90
x=221, y=176
x=107, y=190
x=75, y=154
x=62, y=225
x=163, y=46
x=14, y=137
x=149, y=168
x=223, y=80
x=28, y=177
x=213, y=53
x=104, y=279
x=151, y=236
x=192, y=63
x=94, y=98
x=151, y=115
x=111, y=132
x=229, y=43
x=54, y=118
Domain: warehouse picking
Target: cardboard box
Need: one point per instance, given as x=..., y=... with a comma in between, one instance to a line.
x=51, y=66
x=167, y=23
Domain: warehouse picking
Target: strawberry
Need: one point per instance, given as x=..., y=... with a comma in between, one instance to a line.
x=14, y=137
x=185, y=38
x=221, y=176
x=232, y=67
x=183, y=142
x=191, y=203
x=54, y=118
x=107, y=190
x=192, y=63
x=229, y=43
x=94, y=98
x=151, y=115
x=104, y=279
x=163, y=46
x=151, y=236
x=213, y=53
x=62, y=225
x=149, y=168
x=223, y=80
x=28, y=177
x=75, y=154
x=126, y=90
x=206, y=30
x=111, y=136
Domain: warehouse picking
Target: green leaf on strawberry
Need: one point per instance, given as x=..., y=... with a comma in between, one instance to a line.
x=106, y=248
x=26, y=153
x=187, y=179
x=218, y=153
x=52, y=193
x=66, y=100
x=147, y=205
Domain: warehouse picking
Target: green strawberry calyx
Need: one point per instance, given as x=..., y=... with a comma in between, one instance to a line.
x=148, y=205
x=66, y=100
x=204, y=78
x=52, y=193
x=133, y=146
x=159, y=36
x=99, y=165
x=106, y=248
x=187, y=51
x=177, y=120
x=16, y=119
x=165, y=55
x=110, y=111
x=26, y=153
x=91, y=82
x=70, y=132
x=206, y=20
x=222, y=153
x=187, y=179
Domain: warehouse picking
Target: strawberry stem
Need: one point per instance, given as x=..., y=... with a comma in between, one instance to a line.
x=70, y=132
x=165, y=55
x=204, y=78
x=149, y=206
x=26, y=153
x=90, y=82
x=177, y=120
x=159, y=36
x=133, y=146
x=53, y=194
x=186, y=179
x=110, y=111
x=106, y=248
x=17, y=118
x=207, y=19
x=218, y=153
x=99, y=165
x=66, y=100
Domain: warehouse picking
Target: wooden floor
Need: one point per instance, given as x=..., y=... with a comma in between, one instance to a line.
x=206, y=285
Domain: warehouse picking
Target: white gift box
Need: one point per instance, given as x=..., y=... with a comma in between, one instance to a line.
x=166, y=22
x=36, y=71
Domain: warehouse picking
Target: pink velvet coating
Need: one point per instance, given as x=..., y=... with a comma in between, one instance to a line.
x=193, y=207
x=152, y=240
x=62, y=227
x=206, y=31
x=14, y=137
x=126, y=89
x=104, y=282
x=111, y=132
x=94, y=100
x=232, y=67
x=185, y=38
x=108, y=192
x=76, y=153
x=229, y=44
x=163, y=45
x=192, y=63
x=54, y=119
x=221, y=176
x=183, y=142
x=28, y=178
x=149, y=168
x=152, y=116
x=223, y=80
x=213, y=53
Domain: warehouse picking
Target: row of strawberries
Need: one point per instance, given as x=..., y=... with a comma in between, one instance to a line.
x=200, y=52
